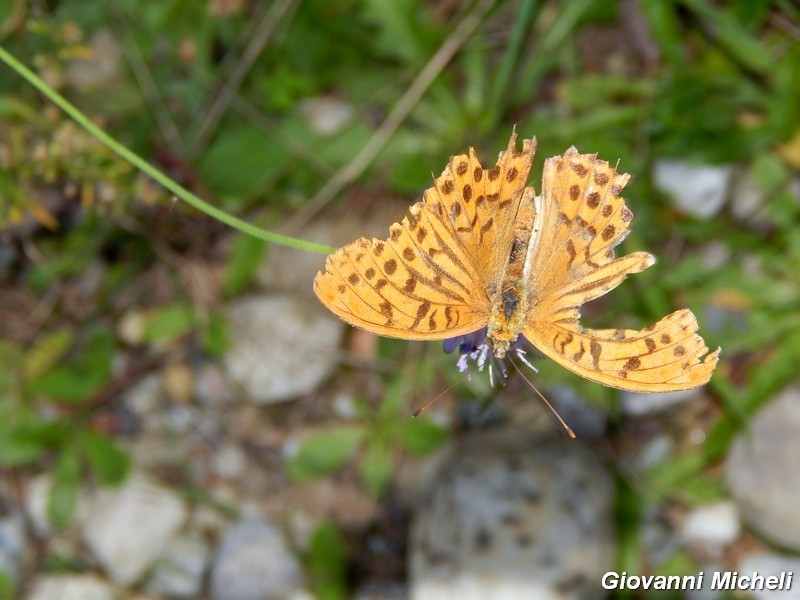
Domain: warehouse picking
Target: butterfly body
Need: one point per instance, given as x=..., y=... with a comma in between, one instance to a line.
x=483, y=250
x=510, y=303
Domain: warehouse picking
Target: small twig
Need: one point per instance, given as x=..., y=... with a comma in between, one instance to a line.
x=152, y=94
x=401, y=110
x=227, y=92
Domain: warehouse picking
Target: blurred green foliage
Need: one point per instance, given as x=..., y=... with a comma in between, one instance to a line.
x=711, y=83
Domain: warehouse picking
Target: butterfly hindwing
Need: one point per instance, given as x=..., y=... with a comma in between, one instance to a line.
x=665, y=356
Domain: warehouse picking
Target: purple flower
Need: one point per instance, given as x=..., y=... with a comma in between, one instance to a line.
x=475, y=347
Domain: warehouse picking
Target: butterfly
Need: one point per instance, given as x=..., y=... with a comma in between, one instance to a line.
x=482, y=250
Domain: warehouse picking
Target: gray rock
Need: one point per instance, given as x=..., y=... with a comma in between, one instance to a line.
x=254, y=563
x=280, y=347
x=179, y=572
x=70, y=587
x=229, y=461
x=771, y=564
x=513, y=515
x=212, y=388
x=287, y=270
x=761, y=470
x=637, y=404
x=697, y=190
x=13, y=543
x=128, y=528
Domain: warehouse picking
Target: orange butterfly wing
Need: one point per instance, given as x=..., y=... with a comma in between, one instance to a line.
x=434, y=276
x=583, y=219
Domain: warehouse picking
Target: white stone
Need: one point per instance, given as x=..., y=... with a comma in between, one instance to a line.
x=769, y=564
x=70, y=587
x=761, y=470
x=326, y=115
x=127, y=528
x=714, y=525
x=280, y=347
x=636, y=404
x=697, y=190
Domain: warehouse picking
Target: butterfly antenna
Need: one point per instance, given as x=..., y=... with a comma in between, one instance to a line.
x=566, y=427
x=419, y=411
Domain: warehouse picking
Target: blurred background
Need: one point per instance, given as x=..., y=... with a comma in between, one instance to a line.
x=179, y=418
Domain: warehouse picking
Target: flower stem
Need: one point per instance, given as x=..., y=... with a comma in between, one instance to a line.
x=150, y=170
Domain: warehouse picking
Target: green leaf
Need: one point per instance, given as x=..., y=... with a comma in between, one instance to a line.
x=769, y=172
x=66, y=486
x=246, y=256
x=324, y=452
x=734, y=38
x=81, y=377
x=403, y=29
x=8, y=588
x=663, y=26
x=17, y=449
x=326, y=563
x=69, y=384
x=214, y=335
x=168, y=323
x=46, y=353
x=377, y=468
x=107, y=460
x=423, y=436
x=240, y=161
x=628, y=512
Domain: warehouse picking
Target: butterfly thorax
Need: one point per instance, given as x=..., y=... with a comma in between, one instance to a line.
x=511, y=298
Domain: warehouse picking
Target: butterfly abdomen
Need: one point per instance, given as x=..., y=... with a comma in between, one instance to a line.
x=510, y=302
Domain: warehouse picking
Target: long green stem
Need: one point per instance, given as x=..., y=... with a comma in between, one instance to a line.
x=150, y=170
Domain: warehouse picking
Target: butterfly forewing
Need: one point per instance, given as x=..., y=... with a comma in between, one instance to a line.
x=482, y=205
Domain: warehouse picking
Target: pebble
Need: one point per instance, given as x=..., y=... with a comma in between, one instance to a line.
x=70, y=587
x=180, y=569
x=696, y=190
x=326, y=115
x=761, y=470
x=212, y=388
x=229, y=461
x=13, y=543
x=513, y=515
x=280, y=347
x=769, y=564
x=253, y=562
x=127, y=528
x=636, y=404
x=712, y=526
